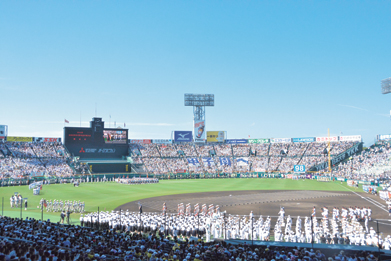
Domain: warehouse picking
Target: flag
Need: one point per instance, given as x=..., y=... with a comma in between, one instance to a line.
x=124, y=124
x=66, y=121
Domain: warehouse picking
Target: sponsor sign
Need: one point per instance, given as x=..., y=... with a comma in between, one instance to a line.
x=225, y=161
x=384, y=137
x=97, y=150
x=162, y=141
x=208, y=161
x=299, y=168
x=281, y=140
x=183, y=136
x=308, y=176
x=308, y=139
x=193, y=161
x=350, y=138
x=3, y=131
x=215, y=136
x=181, y=171
x=140, y=141
x=289, y=176
x=233, y=141
x=242, y=161
x=259, y=141
x=19, y=139
x=42, y=139
x=199, y=131
x=327, y=139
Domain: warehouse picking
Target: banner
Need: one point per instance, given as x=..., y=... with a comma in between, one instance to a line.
x=140, y=141
x=350, y=138
x=3, y=131
x=225, y=161
x=242, y=161
x=309, y=139
x=183, y=136
x=193, y=161
x=162, y=141
x=41, y=139
x=199, y=131
x=215, y=136
x=281, y=140
x=384, y=137
x=233, y=141
x=208, y=161
x=259, y=141
x=308, y=176
x=19, y=139
x=327, y=139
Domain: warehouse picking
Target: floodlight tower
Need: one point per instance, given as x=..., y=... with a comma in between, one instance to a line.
x=199, y=101
x=386, y=86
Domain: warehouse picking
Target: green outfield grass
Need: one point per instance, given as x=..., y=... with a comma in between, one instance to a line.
x=108, y=196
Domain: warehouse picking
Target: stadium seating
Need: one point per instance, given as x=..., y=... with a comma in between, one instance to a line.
x=191, y=157
x=22, y=159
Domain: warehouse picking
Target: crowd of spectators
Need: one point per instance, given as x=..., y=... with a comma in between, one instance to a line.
x=29, y=159
x=281, y=157
x=33, y=240
x=369, y=164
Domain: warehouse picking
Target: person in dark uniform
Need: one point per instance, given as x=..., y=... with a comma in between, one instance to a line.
x=25, y=204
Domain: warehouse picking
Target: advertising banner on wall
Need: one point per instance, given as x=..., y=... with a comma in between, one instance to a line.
x=199, y=131
x=235, y=141
x=259, y=141
x=19, y=139
x=140, y=141
x=215, y=136
x=327, y=139
x=308, y=139
x=42, y=139
x=183, y=136
x=280, y=140
x=384, y=137
x=163, y=141
x=3, y=131
x=350, y=138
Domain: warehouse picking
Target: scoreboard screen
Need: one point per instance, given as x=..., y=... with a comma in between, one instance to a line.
x=96, y=143
x=78, y=135
x=115, y=136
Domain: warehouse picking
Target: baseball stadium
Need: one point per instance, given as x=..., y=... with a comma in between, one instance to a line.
x=195, y=130
x=243, y=192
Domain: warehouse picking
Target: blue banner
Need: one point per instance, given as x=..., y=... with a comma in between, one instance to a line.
x=193, y=161
x=234, y=141
x=309, y=139
x=208, y=161
x=225, y=161
x=183, y=136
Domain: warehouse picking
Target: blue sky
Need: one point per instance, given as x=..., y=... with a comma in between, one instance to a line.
x=277, y=68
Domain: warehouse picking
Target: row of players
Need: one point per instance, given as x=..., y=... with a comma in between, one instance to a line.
x=60, y=206
x=357, y=213
x=213, y=224
x=137, y=181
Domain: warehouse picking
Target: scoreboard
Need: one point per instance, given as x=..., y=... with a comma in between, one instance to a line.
x=96, y=142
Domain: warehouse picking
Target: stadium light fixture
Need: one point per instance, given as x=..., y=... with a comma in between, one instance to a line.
x=386, y=86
